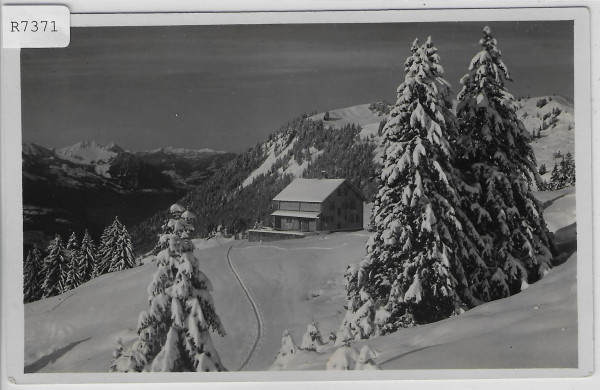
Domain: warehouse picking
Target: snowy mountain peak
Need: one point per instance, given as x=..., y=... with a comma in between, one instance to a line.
x=88, y=152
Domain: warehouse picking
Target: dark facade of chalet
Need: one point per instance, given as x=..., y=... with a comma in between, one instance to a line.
x=312, y=205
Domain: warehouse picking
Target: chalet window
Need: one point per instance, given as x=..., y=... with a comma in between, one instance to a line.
x=352, y=204
x=339, y=212
x=346, y=191
x=332, y=205
x=339, y=192
x=339, y=225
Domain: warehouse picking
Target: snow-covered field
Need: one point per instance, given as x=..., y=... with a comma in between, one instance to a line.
x=294, y=282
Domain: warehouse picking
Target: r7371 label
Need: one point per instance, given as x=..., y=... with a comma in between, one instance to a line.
x=35, y=26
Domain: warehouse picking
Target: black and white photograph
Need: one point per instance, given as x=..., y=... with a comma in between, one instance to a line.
x=388, y=196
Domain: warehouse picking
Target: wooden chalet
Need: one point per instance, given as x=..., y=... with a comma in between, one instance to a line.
x=313, y=205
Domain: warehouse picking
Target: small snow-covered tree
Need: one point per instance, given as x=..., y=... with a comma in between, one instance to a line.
x=343, y=359
x=312, y=340
x=105, y=247
x=413, y=272
x=495, y=157
x=73, y=272
x=563, y=174
x=288, y=346
x=55, y=268
x=72, y=242
x=117, y=353
x=32, y=275
x=115, y=252
x=555, y=179
x=348, y=358
x=86, y=259
x=122, y=253
x=174, y=333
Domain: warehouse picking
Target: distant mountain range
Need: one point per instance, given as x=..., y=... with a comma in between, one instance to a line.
x=85, y=185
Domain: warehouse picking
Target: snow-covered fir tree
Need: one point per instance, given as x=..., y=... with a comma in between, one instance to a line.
x=104, y=254
x=288, y=346
x=563, y=174
x=555, y=179
x=312, y=340
x=73, y=272
x=413, y=273
x=115, y=252
x=117, y=353
x=174, y=333
x=55, y=268
x=495, y=157
x=86, y=260
x=32, y=275
x=122, y=253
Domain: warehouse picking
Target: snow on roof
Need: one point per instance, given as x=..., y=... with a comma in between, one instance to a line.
x=293, y=213
x=309, y=190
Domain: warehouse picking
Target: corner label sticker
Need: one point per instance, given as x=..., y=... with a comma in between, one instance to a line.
x=35, y=26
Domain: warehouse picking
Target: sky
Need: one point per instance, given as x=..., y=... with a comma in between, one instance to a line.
x=229, y=87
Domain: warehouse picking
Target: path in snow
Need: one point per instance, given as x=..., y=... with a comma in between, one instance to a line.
x=257, y=314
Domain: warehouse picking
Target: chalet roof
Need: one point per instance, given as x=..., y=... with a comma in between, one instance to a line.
x=298, y=214
x=310, y=190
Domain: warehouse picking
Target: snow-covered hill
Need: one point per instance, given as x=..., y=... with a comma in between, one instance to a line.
x=296, y=281
x=534, y=329
x=555, y=118
x=555, y=123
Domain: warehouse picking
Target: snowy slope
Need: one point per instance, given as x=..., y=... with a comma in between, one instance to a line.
x=359, y=114
x=279, y=147
x=294, y=282
x=77, y=331
x=557, y=137
x=275, y=150
x=534, y=329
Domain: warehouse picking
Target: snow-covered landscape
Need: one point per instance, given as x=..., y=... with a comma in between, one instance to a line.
x=294, y=282
x=436, y=232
